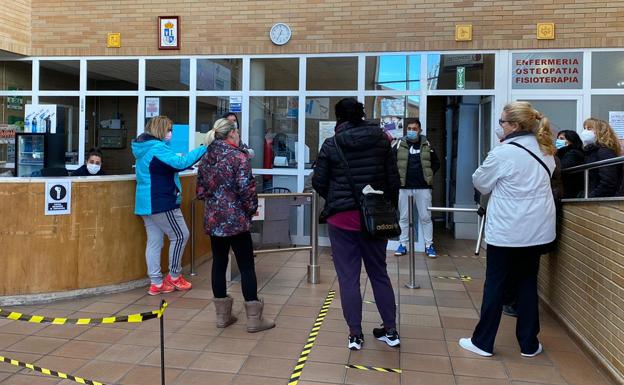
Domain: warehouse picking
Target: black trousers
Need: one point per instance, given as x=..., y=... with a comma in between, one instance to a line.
x=243, y=250
x=523, y=263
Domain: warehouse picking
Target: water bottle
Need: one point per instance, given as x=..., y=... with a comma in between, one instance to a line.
x=27, y=124
x=34, y=124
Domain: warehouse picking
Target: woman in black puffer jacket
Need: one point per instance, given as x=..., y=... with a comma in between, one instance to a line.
x=570, y=153
x=601, y=143
x=371, y=162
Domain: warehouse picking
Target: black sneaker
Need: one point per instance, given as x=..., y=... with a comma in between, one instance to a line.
x=355, y=342
x=510, y=310
x=389, y=336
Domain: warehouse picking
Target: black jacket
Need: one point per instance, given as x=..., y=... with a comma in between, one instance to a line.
x=370, y=159
x=572, y=182
x=603, y=181
x=82, y=171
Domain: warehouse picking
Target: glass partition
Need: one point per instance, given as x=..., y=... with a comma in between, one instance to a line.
x=460, y=71
x=167, y=74
x=104, y=75
x=15, y=75
x=332, y=73
x=59, y=75
x=67, y=111
x=320, y=124
x=209, y=110
x=390, y=112
x=219, y=74
x=393, y=72
x=274, y=74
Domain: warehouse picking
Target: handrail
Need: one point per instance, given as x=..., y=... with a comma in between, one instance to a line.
x=597, y=164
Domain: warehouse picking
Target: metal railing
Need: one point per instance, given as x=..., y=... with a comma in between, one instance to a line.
x=314, y=268
x=589, y=166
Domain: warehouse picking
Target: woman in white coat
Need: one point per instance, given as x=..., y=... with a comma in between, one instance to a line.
x=520, y=223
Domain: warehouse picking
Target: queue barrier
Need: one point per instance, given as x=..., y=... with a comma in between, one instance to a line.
x=130, y=318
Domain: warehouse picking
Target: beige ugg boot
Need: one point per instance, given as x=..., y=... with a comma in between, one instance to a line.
x=255, y=322
x=223, y=307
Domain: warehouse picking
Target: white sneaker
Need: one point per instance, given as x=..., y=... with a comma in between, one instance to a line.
x=467, y=344
x=538, y=351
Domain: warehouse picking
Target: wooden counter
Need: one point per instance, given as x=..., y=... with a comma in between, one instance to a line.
x=100, y=243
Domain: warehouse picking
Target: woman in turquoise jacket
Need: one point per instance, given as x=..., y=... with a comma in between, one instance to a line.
x=158, y=197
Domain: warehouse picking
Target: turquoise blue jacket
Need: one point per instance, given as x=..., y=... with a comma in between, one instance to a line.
x=158, y=186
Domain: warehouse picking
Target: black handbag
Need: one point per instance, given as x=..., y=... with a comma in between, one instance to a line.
x=378, y=217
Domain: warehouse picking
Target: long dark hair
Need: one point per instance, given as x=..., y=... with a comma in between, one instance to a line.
x=573, y=138
x=349, y=110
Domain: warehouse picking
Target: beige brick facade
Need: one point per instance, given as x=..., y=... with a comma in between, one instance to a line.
x=15, y=26
x=584, y=282
x=79, y=27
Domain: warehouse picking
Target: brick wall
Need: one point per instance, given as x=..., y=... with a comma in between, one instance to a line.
x=584, y=281
x=79, y=27
x=15, y=26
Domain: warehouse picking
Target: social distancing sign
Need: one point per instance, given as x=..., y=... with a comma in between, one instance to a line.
x=58, y=197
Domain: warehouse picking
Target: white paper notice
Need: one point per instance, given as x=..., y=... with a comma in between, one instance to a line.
x=616, y=120
x=326, y=130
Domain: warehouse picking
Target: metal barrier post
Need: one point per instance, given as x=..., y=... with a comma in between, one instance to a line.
x=193, y=272
x=412, y=284
x=586, y=172
x=313, y=268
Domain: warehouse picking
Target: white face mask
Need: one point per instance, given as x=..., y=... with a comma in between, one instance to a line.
x=500, y=133
x=588, y=137
x=93, y=168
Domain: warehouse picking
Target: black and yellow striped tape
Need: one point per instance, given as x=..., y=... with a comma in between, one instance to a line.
x=463, y=278
x=50, y=372
x=303, y=357
x=132, y=318
x=374, y=368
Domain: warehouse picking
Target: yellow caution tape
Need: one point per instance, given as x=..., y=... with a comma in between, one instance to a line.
x=463, y=278
x=38, y=319
x=50, y=372
x=303, y=357
x=374, y=368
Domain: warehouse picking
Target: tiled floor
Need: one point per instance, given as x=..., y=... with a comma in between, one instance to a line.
x=432, y=319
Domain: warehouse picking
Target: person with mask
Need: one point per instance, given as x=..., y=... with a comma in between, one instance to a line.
x=157, y=201
x=520, y=224
x=417, y=162
x=600, y=142
x=570, y=153
x=93, y=166
x=234, y=119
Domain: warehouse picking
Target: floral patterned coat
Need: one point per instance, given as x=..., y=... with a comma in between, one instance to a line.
x=225, y=183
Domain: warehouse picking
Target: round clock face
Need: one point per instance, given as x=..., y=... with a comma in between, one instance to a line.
x=280, y=33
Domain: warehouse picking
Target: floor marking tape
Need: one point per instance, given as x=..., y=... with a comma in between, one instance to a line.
x=50, y=372
x=463, y=278
x=303, y=357
x=38, y=319
x=374, y=368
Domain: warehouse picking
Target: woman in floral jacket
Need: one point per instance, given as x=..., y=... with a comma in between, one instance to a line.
x=228, y=188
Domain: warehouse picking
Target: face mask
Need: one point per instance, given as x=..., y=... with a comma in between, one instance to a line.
x=560, y=143
x=168, y=136
x=588, y=137
x=500, y=133
x=412, y=135
x=93, y=168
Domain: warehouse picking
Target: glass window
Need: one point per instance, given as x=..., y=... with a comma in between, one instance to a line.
x=607, y=70
x=604, y=105
x=393, y=72
x=332, y=73
x=219, y=74
x=273, y=128
x=67, y=111
x=15, y=75
x=274, y=74
x=104, y=75
x=391, y=111
x=477, y=69
x=59, y=75
x=560, y=113
x=111, y=126
x=167, y=74
x=11, y=121
x=209, y=109
x=320, y=124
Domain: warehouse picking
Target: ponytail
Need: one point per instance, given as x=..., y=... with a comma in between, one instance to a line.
x=210, y=137
x=220, y=130
x=545, y=136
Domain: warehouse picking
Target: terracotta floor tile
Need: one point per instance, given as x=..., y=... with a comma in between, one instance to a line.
x=362, y=377
x=63, y=331
x=243, y=379
x=454, y=312
x=81, y=349
x=421, y=378
x=201, y=328
x=62, y=364
x=376, y=358
x=277, y=349
x=218, y=362
x=421, y=346
x=478, y=368
x=22, y=328
x=125, y=353
x=187, y=341
x=174, y=358
x=324, y=372
x=103, y=371
x=419, y=320
x=458, y=322
x=511, y=354
x=426, y=363
x=104, y=307
x=148, y=375
x=9, y=339
x=270, y=367
x=461, y=380
x=300, y=311
x=330, y=354
x=231, y=345
x=25, y=379
x=534, y=373
x=576, y=368
x=202, y=377
x=103, y=335
x=421, y=332
x=19, y=356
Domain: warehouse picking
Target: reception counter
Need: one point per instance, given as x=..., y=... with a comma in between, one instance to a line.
x=101, y=243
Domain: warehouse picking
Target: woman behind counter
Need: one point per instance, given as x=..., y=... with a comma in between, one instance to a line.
x=158, y=198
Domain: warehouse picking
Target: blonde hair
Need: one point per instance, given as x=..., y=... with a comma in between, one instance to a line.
x=531, y=120
x=158, y=126
x=220, y=130
x=604, y=134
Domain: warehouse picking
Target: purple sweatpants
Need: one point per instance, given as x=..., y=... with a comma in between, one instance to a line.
x=349, y=249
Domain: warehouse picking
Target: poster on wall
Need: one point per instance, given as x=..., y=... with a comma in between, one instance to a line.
x=317, y=108
x=168, y=32
x=152, y=107
x=40, y=118
x=547, y=70
x=326, y=130
x=616, y=120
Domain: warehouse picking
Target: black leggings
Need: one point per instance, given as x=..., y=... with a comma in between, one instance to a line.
x=243, y=250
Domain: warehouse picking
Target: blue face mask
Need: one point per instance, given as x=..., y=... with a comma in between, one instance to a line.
x=560, y=143
x=412, y=135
